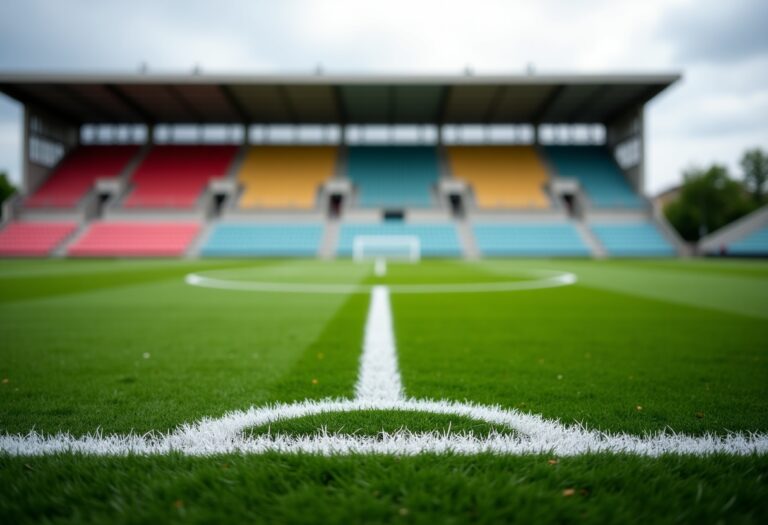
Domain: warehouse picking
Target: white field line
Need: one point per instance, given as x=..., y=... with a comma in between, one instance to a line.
x=533, y=435
x=379, y=388
x=379, y=378
x=380, y=267
x=543, y=279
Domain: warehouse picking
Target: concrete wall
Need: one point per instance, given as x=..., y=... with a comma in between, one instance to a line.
x=65, y=133
x=630, y=126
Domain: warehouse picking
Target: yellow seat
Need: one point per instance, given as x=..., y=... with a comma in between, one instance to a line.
x=501, y=176
x=285, y=176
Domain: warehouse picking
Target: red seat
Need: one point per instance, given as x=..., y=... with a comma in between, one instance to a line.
x=175, y=176
x=76, y=174
x=33, y=239
x=135, y=239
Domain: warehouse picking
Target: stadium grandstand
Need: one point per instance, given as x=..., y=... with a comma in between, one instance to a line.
x=746, y=237
x=302, y=166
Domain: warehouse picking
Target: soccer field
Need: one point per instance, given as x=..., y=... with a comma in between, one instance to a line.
x=268, y=391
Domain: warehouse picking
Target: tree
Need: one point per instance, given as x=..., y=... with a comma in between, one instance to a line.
x=6, y=188
x=709, y=199
x=754, y=162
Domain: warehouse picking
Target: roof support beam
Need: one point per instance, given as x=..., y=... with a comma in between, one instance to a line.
x=439, y=117
x=391, y=105
x=341, y=113
x=237, y=107
x=442, y=105
x=341, y=109
x=545, y=106
x=84, y=102
x=493, y=106
x=175, y=93
x=285, y=97
x=132, y=104
x=584, y=109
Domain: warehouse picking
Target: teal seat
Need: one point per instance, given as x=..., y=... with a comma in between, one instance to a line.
x=641, y=239
x=529, y=240
x=597, y=173
x=756, y=243
x=263, y=240
x=393, y=176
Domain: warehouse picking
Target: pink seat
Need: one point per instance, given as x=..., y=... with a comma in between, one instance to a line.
x=76, y=174
x=33, y=239
x=135, y=239
x=175, y=176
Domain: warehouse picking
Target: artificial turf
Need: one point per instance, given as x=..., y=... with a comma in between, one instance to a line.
x=634, y=346
x=424, y=489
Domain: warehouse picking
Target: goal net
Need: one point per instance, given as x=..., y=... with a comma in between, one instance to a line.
x=387, y=247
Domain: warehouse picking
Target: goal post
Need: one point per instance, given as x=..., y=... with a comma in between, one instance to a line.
x=386, y=247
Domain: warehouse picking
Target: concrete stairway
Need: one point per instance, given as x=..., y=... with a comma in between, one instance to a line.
x=330, y=239
x=193, y=250
x=590, y=239
x=134, y=163
x=61, y=250
x=237, y=162
x=467, y=239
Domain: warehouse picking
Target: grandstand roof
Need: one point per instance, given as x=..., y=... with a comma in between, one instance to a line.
x=334, y=99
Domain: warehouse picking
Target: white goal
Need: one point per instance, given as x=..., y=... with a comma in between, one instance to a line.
x=386, y=247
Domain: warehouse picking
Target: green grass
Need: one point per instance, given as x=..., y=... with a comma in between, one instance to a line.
x=126, y=346
x=376, y=422
x=425, y=489
x=591, y=355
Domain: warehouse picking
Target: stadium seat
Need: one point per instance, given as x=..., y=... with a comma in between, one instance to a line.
x=529, y=240
x=641, y=239
x=597, y=172
x=75, y=175
x=285, y=176
x=501, y=176
x=436, y=240
x=756, y=243
x=175, y=176
x=393, y=176
x=264, y=240
x=33, y=239
x=135, y=239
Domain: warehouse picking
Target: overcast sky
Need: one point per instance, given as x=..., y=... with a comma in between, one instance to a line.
x=721, y=47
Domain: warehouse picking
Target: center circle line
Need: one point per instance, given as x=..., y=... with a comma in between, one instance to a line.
x=552, y=279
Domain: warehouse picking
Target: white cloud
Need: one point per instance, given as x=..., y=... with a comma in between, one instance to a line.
x=713, y=31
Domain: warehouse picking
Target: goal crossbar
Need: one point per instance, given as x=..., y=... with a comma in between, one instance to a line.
x=402, y=247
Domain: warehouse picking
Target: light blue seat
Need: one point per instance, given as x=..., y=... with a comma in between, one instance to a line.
x=393, y=176
x=263, y=240
x=529, y=240
x=597, y=172
x=436, y=240
x=640, y=239
x=756, y=243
